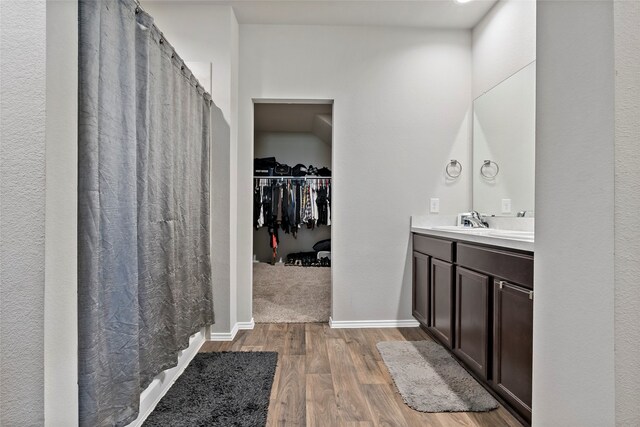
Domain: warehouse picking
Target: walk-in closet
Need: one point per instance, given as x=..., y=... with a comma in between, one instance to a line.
x=292, y=187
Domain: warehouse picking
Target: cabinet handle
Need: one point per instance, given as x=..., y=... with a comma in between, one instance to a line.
x=502, y=283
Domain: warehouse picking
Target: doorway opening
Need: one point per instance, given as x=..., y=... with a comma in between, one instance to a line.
x=292, y=185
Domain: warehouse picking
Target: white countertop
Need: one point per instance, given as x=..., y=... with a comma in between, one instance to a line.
x=510, y=240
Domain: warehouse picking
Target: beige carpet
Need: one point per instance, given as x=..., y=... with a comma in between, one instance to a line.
x=288, y=294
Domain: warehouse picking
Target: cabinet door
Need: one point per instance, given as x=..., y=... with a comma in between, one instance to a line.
x=472, y=320
x=442, y=301
x=421, y=268
x=513, y=344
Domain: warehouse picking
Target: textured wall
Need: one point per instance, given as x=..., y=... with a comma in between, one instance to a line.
x=503, y=42
x=402, y=97
x=573, y=359
x=22, y=205
x=627, y=206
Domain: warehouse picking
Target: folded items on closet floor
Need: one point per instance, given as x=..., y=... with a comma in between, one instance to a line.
x=308, y=259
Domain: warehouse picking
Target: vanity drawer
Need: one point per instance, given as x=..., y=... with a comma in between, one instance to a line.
x=510, y=266
x=437, y=248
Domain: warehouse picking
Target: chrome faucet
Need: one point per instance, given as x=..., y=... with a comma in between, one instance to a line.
x=476, y=221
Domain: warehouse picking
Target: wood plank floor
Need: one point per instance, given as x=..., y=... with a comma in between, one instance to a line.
x=336, y=377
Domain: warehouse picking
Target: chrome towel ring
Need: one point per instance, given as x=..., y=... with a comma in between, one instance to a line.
x=453, y=169
x=485, y=169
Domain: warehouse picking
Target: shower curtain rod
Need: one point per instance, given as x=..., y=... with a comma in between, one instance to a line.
x=174, y=54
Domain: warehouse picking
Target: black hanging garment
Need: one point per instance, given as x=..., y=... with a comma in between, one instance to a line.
x=275, y=195
x=285, y=208
x=321, y=202
x=267, y=200
x=279, y=205
x=298, y=205
x=291, y=211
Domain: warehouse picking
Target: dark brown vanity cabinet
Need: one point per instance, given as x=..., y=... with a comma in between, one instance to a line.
x=435, y=284
x=513, y=344
x=421, y=272
x=478, y=302
x=442, y=301
x=472, y=320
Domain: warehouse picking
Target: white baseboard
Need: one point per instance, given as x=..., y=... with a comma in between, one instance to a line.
x=338, y=324
x=246, y=325
x=224, y=336
x=229, y=336
x=150, y=397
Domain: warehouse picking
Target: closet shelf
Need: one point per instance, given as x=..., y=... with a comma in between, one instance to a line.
x=291, y=177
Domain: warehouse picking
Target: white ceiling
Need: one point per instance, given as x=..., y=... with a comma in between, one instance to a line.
x=444, y=14
x=313, y=118
x=287, y=117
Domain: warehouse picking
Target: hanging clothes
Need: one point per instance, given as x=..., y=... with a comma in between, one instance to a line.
x=289, y=204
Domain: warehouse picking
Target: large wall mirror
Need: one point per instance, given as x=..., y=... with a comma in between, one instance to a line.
x=504, y=146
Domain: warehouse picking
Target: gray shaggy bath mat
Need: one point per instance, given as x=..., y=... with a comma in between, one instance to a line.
x=429, y=379
x=219, y=389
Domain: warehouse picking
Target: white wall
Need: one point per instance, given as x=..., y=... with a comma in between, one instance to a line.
x=291, y=148
x=627, y=205
x=573, y=359
x=402, y=98
x=22, y=207
x=233, y=175
x=504, y=41
x=60, y=305
x=209, y=33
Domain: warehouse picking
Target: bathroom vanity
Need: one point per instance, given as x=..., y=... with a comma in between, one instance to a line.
x=473, y=287
x=473, y=292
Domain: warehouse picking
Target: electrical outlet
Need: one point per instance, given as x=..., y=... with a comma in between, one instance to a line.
x=434, y=205
x=506, y=205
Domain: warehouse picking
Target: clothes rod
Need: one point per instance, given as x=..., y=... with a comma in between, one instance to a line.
x=291, y=177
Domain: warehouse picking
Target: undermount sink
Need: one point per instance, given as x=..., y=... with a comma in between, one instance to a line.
x=492, y=232
x=511, y=234
x=460, y=229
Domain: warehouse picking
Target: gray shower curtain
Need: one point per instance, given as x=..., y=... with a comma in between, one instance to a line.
x=144, y=274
